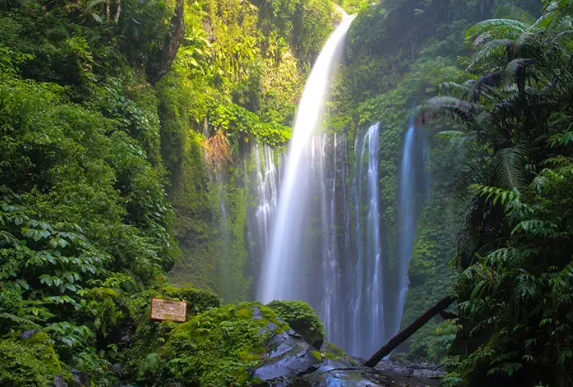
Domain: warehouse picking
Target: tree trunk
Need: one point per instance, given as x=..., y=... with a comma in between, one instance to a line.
x=171, y=46
x=117, y=10
x=409, y=331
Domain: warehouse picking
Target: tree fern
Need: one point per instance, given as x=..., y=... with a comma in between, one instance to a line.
x=496, y=28
x=509, y=166
x=451, y=108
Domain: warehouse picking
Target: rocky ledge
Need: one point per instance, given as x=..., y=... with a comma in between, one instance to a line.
x=291, y=361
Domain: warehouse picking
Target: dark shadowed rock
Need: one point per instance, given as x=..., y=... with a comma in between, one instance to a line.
x=59, y=381
x=28, y=334
x=288, y=356
x=81, y=379
x=292, y=362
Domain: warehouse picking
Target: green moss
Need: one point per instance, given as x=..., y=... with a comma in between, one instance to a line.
x=29, y=362
x=330, y=351
x=217, y=347
x=317, y=355
x=298, y=315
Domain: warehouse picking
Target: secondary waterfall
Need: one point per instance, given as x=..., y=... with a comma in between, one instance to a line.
x=281, y=276
x=368, y=323
x=406, y=219
x=263, y=198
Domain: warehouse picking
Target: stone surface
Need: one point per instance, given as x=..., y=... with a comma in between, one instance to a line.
x=292, y=362
x=59, y=381
x=28, y=334
x=81, y=379
x=288, y=356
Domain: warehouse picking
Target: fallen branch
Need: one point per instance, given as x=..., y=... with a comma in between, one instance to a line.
x=409, y=331
x=447, y=315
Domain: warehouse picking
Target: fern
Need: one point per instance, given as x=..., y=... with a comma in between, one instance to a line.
x=510, y=167
x=496, y=27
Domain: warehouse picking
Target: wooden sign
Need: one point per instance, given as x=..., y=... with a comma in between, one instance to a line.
x=168, y=310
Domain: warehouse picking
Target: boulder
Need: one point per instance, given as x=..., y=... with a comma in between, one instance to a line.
x=292, y=362
x=302, y=318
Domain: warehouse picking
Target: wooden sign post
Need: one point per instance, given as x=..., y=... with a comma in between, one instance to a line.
x=168, y=310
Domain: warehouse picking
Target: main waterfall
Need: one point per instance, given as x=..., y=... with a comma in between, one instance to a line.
x=281, y=275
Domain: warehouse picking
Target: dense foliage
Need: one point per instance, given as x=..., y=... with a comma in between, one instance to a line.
x=112, y=168
x=108, y=169
x=514, y=293
x=399, y=52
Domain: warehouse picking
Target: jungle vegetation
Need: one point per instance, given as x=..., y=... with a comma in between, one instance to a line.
x=108, y=141
x=493, y=84
x=110, y=148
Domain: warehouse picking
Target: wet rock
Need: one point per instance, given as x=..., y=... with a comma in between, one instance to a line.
x=420, y=370
x=288, y=356
x=257, y=314
x=28, y=334
x=351, y=377
x=81, y=379
x=302, y=318
x=59, y=381
x=313, y=337
x=292, y=362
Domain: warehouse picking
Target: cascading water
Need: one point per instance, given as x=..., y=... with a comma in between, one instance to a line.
x=317, y=231
x=406, y=220
x=263, y=199
x=368, y=327
x=282, y=275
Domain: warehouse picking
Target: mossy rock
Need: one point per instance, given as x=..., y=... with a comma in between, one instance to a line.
x=302, y=318
x=330, y=351
x=30, y=362
x=218, y=347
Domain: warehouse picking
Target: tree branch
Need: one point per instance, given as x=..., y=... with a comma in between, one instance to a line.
x=409, y=331
x=172, y=43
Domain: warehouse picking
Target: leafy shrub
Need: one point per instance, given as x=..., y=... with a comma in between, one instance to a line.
x=28, y=362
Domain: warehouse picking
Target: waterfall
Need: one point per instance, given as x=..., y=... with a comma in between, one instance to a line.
x=368, y=327
x=317, y=232
x=266, y=191
x=407, y=176
x=262, y=200
x=282, y=275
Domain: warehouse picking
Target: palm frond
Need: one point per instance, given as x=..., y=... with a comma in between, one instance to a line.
x=563, y=280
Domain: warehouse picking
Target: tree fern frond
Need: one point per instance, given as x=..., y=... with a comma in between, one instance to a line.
x=508, y=11
x=526, y=285
x=453, y=89
x=450, y=108
x=22, y=322
x=492, y=48
x=563, y=279
x=508, y=28
x=538, y=228
x=496, y=194
x=509, y=166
